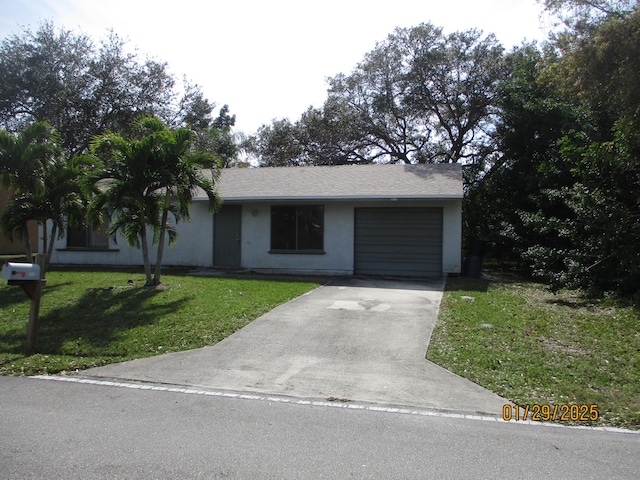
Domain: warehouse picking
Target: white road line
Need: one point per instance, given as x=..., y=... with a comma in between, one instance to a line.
x=319, y=403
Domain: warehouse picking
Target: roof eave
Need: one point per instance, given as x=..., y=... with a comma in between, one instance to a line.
x=343, y=198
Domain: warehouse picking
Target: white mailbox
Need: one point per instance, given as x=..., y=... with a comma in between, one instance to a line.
x=21, y=271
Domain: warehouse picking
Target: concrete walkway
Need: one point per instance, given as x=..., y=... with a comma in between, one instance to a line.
x=357, y=340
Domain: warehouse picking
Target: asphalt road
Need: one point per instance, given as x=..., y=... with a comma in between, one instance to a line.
x=60, y=430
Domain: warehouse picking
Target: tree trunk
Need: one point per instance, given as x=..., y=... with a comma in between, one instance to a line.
x=48, y=249
x=163, y=231
x=34, y=314
x=145, y=254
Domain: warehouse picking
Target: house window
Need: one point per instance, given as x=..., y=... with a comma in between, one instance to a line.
x=87, y=237
x=297, y=228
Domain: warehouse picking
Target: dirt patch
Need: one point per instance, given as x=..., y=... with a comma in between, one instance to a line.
x=553, y=345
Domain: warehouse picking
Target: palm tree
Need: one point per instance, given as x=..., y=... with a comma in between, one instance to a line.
x=44, y=187
x=65, y=199
x=146, y=178
x=181, y=171
x=129, y=189
x=22, y=158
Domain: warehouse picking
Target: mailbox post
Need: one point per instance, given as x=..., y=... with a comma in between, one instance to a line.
x=28, y=276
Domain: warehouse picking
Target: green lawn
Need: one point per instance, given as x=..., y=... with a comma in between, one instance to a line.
x=509, y=335
x=93, y=318
x=534, y=347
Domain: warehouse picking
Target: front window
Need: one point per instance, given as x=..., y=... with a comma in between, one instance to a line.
x=297, y=228
x=87, y=237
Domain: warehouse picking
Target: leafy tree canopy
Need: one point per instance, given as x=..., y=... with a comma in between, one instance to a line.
x=44, y=185
x=580, y=14
x=419, y=96
x=563, y=199
x=84, y=89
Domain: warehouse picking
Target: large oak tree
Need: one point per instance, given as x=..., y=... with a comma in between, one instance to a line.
x=420, y=96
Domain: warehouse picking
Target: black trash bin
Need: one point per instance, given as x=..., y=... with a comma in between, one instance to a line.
x=477, y=247
x=473, y=266
x=473, y=260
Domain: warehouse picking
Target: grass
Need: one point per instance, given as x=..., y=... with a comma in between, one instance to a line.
x=90, y=318
x=508, y=334
x=534, y=347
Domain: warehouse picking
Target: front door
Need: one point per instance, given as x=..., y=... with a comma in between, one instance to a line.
x=227, y=231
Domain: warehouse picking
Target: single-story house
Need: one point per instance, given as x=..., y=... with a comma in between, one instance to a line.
x=397, y=220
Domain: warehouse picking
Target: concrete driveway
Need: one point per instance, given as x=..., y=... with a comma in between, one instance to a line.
x=354, y=339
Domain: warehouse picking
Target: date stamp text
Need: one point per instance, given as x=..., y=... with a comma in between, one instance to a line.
x=553, y=413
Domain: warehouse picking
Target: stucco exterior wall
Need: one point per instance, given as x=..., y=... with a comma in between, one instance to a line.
x=339, y=238
x=195, y=242
x=338, y=242
x=193, y=248
x=452, y=237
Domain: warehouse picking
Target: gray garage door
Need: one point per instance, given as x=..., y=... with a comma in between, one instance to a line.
x=398, y=241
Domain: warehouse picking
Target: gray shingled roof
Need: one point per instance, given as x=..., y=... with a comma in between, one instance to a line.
x=423, y=181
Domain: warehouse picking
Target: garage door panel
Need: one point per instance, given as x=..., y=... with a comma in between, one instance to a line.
x=390, y=241
x=403, y=241
x=374, y=237
x=391, y=260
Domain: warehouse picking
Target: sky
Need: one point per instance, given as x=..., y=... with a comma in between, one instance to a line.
x=268, y=59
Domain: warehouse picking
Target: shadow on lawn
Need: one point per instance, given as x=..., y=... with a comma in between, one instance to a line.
x=97, y=319
x=461, y=284
x=592, y=302
x=13, y=295
x=13, y=339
